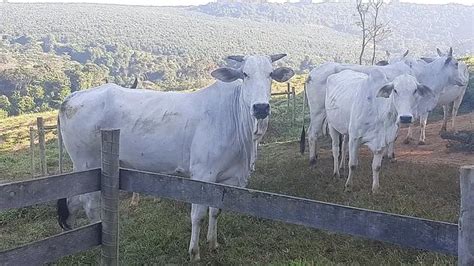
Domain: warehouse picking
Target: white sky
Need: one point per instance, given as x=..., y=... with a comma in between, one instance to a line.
x=199, y=2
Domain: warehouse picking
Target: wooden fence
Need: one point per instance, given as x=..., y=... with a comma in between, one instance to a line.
x=402, y=230
x=290, y=94
x=41, y=130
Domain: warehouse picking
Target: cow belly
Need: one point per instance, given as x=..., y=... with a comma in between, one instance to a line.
x=450, y=94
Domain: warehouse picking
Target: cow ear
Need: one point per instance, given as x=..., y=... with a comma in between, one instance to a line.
x=226, y=74
x=276, y=57
x=238, y=58
x=448, y=60
x=282, y=74
x=385, y=91
x=440, y=54
x=423, y=90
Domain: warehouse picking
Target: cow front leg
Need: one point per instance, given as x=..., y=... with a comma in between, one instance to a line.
x=391, y=152
x=253, y=156
x=445, y=117
x=212, y=229
x=456, y=105
x=423, y=121
x=376, y=165
x=198, y=212
x=353, y=162
x=409, y=137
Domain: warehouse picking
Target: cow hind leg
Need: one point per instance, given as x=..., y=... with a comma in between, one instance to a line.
x=344, y=148
x=212, y=229
x=445, y=117
x=198, y=212
x=336, y=142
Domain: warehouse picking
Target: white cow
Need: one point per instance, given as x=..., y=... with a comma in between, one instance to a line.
x=447, y=88
x=206, y=135
x=316, y=94
x=368, y=109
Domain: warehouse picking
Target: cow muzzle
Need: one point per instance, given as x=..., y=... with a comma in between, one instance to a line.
x=261, y=110
x=406, y=119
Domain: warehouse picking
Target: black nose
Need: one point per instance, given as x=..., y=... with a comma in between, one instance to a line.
x=406, y=119
x=261, y=110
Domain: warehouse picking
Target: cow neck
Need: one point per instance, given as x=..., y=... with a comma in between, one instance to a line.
x=432, y=76
x=243, y=120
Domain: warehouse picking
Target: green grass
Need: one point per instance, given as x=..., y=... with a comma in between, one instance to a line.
x=157, y=232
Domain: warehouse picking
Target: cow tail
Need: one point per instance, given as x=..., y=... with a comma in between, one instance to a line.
x=63, y=213
x=303, y=140
x=341, y=140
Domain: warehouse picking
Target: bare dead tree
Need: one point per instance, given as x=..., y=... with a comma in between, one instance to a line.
x=363, y=10
x=379, y=31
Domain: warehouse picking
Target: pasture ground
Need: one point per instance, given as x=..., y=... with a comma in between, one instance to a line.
x=157, y=231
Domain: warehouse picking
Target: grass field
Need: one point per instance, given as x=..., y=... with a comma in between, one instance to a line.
x=157, y=232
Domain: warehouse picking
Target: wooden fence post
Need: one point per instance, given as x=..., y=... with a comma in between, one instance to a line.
x=466, y=217
x=293, y=93
x=109, y=196
x=60, y=146
x=288, y=95
x=32, y=151
x=42, y=145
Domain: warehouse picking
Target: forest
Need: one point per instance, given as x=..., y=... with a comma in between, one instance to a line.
x=50, y=50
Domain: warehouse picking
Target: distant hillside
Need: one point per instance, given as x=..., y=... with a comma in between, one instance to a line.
x=50, y=50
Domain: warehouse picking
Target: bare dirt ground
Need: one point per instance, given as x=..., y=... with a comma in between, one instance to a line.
x=435, y=150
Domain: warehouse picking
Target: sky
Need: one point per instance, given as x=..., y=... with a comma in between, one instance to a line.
x=199, y=2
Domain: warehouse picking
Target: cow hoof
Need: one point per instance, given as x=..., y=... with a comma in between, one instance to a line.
x=348, y=189
x=393, y=160
x=194, y=255
x=421, y=142
x=312, y=164
x=213, y=245
x=375, y=190
x=336, y=175
x=406, y=141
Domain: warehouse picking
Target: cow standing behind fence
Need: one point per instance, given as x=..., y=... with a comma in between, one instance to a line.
x=206, y=135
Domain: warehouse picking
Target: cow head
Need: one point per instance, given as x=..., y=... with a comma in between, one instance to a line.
x=407, y=97
x=450, y=68
x=256, y=73
x=392, y=58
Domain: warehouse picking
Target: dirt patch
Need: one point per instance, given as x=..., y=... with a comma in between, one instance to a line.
x=435, y=150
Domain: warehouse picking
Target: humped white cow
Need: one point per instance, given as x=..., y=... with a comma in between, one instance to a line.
x=368, y=109
x=207, y=135
x=447, y=95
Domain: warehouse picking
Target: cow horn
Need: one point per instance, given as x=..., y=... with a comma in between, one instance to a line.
x=135, y=84
x=277, y=57
x=238, y=58
x=450, y=52
x=439, y=52
x=406, y=53
x=387, y=53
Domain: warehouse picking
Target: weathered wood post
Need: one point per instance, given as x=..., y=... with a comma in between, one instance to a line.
x=32, y=151
x=42, y=145
x=293, y=93
x=60, y=146
x=109, y=196
x=288, y=93
x=466, y=218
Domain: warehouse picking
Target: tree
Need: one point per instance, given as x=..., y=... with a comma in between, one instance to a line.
x=380, y=30
x=372, y=29
x=363, y=10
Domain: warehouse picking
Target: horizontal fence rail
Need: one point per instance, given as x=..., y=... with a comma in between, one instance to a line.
x=25, y=193
x=396, y=229
x=55, y=247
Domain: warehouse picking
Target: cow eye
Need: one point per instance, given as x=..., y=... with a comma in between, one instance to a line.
x=246, y=75
x=394, y=90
